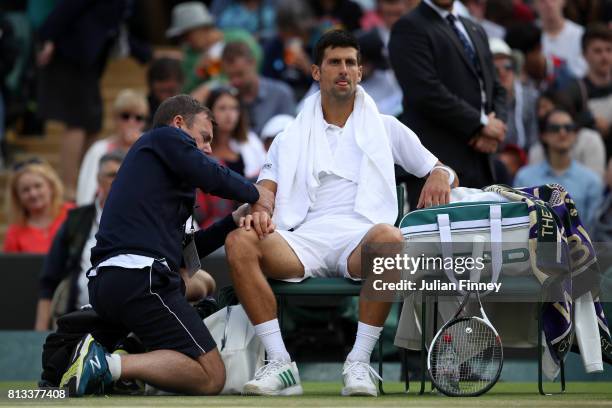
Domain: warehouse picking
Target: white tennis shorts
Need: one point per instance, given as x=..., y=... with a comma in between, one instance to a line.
x=324, y=244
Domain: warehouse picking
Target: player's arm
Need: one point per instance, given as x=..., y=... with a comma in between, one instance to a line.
x=260, y=216
x=436, y=190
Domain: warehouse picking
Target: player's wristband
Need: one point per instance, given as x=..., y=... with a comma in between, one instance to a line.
x=451, y=174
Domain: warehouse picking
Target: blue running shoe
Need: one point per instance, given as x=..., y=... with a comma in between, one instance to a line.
x=88, y=372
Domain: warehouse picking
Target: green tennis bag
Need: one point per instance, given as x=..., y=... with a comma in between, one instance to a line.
x=450, y=230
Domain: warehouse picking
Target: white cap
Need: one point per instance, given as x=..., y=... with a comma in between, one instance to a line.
x=499, y=47
x=187, y=16
x=275, y=125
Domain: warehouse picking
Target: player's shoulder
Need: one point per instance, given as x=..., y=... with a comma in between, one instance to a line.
x=393, y=125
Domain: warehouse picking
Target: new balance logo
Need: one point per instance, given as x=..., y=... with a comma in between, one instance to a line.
x=95, y=363
x=287, y=378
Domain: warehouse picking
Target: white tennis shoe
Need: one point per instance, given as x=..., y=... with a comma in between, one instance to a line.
x=275, y=378
x=358, y=378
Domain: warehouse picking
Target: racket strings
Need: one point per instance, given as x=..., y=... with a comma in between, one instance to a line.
x=466, y=357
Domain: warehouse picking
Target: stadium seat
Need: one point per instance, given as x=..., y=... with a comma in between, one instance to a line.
x=330, y=287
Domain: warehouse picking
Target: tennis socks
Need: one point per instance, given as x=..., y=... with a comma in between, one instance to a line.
x=364, y=343
x=114, y=365
x=270, y=335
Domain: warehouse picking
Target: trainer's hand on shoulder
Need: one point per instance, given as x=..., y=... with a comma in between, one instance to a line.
x=436, y=190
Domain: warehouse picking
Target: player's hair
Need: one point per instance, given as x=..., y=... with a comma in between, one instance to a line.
x=335, y=39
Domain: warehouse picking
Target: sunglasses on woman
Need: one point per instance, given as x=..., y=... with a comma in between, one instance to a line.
x=556, y=128
x=127, y=116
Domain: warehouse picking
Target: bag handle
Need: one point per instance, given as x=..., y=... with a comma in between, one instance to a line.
x=446, y=243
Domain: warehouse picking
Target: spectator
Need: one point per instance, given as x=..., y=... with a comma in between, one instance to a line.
x=76, y=41
x=585, y=186
x=338, y=13
x=591, y=96
x=589, y=148
x=36, y=207
x=541, y=71
x=287, y=55
x=588, y=12
x=258, y=17
x=232, y=134
x=388, y=12
x=263, y=97
x=234, y=146
x=273, y=127
x=560, y=36
x=492, y=15
x=451, y=94
x=9, y=52
x=378, y=79
x=513, y=158
x=202, y=43
x=130, y=112
x=164, y=79
x=521, y=97
x=384, y=10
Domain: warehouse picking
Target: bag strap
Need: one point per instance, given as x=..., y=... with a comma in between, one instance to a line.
x=446, y=243
x=495, y=219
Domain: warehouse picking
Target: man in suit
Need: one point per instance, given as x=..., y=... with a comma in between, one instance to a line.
x=452, y=98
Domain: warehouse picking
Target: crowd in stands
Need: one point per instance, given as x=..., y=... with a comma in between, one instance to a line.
x=250, y=62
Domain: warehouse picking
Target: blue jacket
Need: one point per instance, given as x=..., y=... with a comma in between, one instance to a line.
x=153, y=196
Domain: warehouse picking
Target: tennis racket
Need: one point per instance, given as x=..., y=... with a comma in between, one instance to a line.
x=465, y=357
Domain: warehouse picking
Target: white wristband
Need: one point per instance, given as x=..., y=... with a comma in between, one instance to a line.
x=451, y=173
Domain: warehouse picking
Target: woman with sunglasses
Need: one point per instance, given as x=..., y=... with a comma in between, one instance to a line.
x=558, y=136
x=234, y=146
x=36, y=207
x=130, y=111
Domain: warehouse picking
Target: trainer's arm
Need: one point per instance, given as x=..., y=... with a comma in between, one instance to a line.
x=180, y=153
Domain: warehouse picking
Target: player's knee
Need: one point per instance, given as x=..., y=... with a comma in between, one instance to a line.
x=238, y=241
x=386, y=233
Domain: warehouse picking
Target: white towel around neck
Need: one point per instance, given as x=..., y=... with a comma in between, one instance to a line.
x=304, y=154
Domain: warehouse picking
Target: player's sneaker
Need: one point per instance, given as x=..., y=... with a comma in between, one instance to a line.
x=88, y=372
x=275, y=378
x=358, y=378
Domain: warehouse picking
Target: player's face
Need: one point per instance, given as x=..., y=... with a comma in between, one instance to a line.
x=201, y=131
x=339, y=73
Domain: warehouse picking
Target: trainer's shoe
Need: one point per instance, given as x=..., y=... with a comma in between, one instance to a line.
x=358, y=378
x=275, y=378
x=88, y=372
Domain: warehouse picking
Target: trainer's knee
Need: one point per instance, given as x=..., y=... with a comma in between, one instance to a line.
x=385, y=233
x=214, y=371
